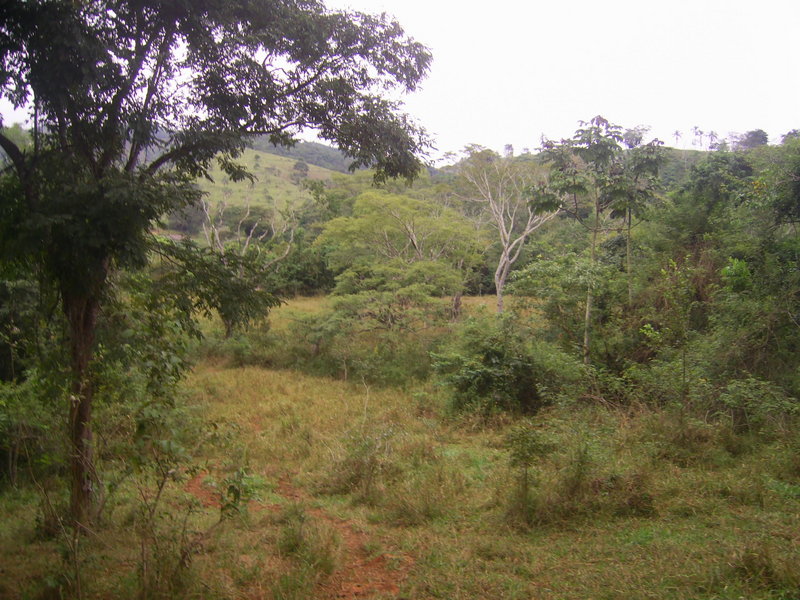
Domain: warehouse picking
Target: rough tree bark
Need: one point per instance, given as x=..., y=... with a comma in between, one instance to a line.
x=82, y=309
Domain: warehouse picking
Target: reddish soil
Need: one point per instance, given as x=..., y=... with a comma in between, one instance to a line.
x=207, y=497
x=360, y=575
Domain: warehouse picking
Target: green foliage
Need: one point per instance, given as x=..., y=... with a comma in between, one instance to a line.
x=496, y=364
x=187, y=220
x=716, y=184
x=597, y=179
x=393, y=241
x=555, y=284
x=433, y=278
x=30, y=432
x=380, y=337
x=314, y=547
x=555, y=485
x=525, y=444
x=736, y=275
x=310, y=152
x=427, y=492
x=753, y=403
x=201, y=280
x=133, y=104
x=26, y=333
x=752, y=139
x=366, y=464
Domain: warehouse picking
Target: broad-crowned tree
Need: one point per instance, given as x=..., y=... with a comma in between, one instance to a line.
x=421, y=240
x=131, y=100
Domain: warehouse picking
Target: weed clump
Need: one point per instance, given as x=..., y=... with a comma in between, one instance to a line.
x=313, y=547
x=427, y=493
x=363, y=468
x=760, y=566
x=553, y=487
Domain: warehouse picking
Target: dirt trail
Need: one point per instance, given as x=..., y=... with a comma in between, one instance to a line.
x=360, y=575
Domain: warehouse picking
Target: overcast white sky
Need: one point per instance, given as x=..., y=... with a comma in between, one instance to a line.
x=510, y=71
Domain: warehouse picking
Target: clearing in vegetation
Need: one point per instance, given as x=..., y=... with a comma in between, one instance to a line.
x=290, y=485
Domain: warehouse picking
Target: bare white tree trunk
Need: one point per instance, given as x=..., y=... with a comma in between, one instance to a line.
x=505, y=187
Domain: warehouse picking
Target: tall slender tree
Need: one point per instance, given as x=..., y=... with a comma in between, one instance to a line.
x=636, y=187
x=593, y=166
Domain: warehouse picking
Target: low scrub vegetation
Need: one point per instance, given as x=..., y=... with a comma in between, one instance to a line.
x=262, y=479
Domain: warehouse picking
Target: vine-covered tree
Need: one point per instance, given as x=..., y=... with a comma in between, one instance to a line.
x=132, y=100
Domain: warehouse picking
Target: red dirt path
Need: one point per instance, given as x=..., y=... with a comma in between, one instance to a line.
x=360, y=575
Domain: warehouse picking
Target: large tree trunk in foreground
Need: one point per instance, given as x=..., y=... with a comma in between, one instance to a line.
x=82, y=311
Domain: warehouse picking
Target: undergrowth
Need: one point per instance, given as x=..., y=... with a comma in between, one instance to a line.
x=584, y=498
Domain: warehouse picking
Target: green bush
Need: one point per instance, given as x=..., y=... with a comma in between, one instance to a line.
x=30, y=426
x=494, y=363
x=753, y=404
x=573, y=479
x=382, y=338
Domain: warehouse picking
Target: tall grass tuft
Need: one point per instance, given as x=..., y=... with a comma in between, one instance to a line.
x=314, y=548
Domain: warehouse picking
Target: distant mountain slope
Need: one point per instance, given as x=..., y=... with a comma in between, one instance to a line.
x=311, y=152
x=279, y=181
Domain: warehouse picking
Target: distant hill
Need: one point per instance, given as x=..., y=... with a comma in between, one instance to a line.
x=279, y=184
x=278, y=181
x=312, y=153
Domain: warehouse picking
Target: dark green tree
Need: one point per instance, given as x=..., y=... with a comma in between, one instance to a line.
x=752, y=139
x=593, y=167
x=587, y=166
x=636, y=187
x=132, y=100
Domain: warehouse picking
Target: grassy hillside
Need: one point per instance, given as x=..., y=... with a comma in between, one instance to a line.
x=277, y=182
x=290, y=486
x=311, y=152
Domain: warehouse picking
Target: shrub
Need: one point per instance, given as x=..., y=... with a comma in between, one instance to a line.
x=573, y=485
x=752, y=404
x=364, y=466
x=495, y=364
x=379, y=337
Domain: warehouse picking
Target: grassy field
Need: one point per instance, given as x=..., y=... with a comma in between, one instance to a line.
x=621, y=508
x=294, y=486
x=274, y=183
